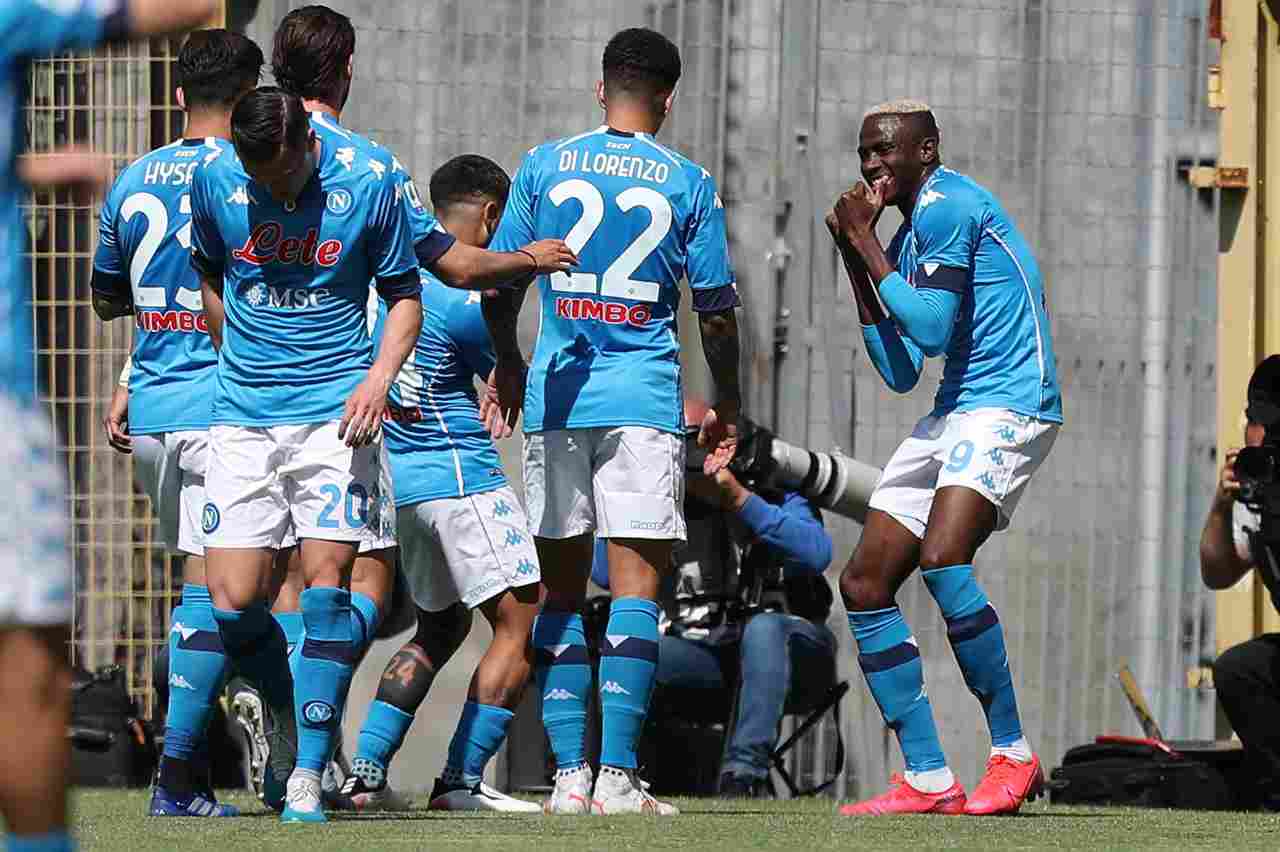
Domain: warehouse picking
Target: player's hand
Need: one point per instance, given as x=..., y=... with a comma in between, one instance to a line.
x=503, y=397
x=117, y=421
x=718, y=435
x=1228, y=484
x=551, y=256
x=858, y=210
x=75, y=167
x=362, y=417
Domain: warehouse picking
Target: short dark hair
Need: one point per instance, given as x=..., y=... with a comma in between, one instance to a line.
x=1264, y=393
x=468, y=177
x=217, y=66
x=266, y=120
x=641, y=62
x=311, y=49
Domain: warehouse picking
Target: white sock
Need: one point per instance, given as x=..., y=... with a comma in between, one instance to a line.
x=1019, y=750
x=930, y=781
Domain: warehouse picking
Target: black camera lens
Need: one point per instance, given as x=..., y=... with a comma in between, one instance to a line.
x=1256, y=465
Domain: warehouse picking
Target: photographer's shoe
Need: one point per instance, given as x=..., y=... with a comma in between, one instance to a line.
x=620, y=791
x=1005, y=786
x=902, y=798
x=572, y=793
x=740, y=787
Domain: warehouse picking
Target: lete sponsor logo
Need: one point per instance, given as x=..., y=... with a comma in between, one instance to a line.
x=266, y=244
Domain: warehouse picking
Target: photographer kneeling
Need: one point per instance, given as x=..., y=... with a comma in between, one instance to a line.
x=748, y=601
x=1241, y=534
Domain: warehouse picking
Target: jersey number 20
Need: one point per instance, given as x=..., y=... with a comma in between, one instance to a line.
x=616, y=281
x=153, y=210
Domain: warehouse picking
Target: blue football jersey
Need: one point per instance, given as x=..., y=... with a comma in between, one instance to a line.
x=28, y=29
x=144, y=241
x=296, y=278
x=641, y=218
x=437, y=445
x=1001, y=353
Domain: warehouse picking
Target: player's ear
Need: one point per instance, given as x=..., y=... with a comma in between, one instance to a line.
x=491, y=213
x=671, y=99
x=929, y=150
x=600, y=94
x=181, y=97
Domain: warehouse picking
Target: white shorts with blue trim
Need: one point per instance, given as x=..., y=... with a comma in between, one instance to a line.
x=35, y=565
x=990, y=450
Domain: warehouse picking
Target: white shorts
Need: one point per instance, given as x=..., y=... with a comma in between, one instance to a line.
x=618, y=481
x=266, y=484
x=466, y=549
x=169, y=467
x=35, y=564
x=990, y=450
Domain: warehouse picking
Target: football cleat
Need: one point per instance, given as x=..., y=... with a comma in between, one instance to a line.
x=902, y=798
x=572, y=792
x=166, y=804
x=481, y=797
x=1005, y=786
x=303, y=802
x=272, y=737
x=357, y=795
x=620, y=791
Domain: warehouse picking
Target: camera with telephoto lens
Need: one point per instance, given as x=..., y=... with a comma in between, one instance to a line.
x=765, y=461
x=1256, y=468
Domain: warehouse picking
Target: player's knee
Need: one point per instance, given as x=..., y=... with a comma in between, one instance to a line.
x=36, y=678
x=1232, y=670
x=441, y=633
x=943, y=555
x=763, y=630
x=862, y=590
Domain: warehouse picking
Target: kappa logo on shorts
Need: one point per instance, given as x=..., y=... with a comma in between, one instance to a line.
x=524, y=568
x=988, y=481
x=210, y=518
x=317, y=712
x=514, y=538
x=501, y=509
x=1006, y=433
x=996, y=455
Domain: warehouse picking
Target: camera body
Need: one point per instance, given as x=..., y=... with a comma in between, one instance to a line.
x=1258, y=469
x=764, y=461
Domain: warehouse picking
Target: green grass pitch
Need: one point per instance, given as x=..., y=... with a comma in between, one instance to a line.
x=114, y=820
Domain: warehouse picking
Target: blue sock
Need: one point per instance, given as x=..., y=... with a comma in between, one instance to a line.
x=385, y=728
x=294, y=632
x=891, y=664
x=255, y=644
x=628, y=662
x=197, y=664
x=978, y=642
x=57, y=841
x=563, y=672
x=480, y=732
x=364, y=622
x=324, y=673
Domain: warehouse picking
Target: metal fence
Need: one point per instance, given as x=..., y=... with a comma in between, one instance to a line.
x=1081, y=115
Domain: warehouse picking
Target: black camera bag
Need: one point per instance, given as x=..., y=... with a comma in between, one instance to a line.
x=1139, y=773
x=110, y=745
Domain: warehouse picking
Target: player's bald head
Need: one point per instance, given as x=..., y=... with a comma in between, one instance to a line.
x=894, y=118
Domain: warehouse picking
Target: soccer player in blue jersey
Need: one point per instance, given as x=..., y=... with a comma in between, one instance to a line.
x=604, y=425
x=464, y=541
x=957, y=280
x=142, y=267
x=287, y=232
x=35, y=569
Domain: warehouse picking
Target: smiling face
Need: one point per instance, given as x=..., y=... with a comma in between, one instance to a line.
x=897, y=152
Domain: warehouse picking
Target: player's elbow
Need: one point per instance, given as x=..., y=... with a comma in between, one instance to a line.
x=932, y=339
x=901, y=381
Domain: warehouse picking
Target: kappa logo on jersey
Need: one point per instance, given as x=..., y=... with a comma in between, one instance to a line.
x=346, y=156
x=266, y=244
x=338, y=202
x=928, y=197
x=613, y=313
x=241, y=196
x=210, y=518
x=317, y=712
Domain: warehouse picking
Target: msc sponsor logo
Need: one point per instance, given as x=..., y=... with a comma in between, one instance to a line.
x=317, y=712
x=266, y=244
x=210, y=518
x=338, y=202
x=614, y=313
x=188, y=322
x=260, y=295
